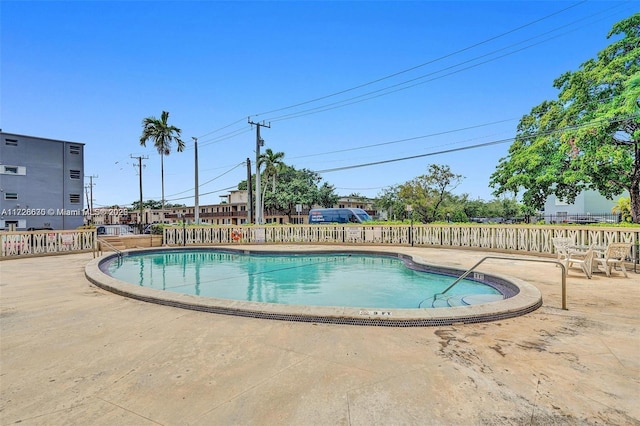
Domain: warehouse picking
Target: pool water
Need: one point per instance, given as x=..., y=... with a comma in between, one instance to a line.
x=350, y=280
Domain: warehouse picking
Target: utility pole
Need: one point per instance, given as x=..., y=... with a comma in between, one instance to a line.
x=86, y=194
x=90, y=200
x=249, y=192
x=196, y=213
x=140, y=158
x=259, y=143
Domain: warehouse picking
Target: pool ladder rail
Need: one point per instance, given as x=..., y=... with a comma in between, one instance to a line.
x=106, y=243
x=440, y=296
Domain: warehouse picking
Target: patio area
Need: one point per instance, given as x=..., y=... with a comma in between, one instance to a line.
x=71, y=353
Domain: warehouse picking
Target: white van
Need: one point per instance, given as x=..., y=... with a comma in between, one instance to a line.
x=114, y=230
x=344, y=215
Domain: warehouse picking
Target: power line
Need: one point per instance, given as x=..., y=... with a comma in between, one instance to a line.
x=402, y=71
x=423, y=64
x=210, y=180
x=405, y=139
x=221, y=128
x=444, y=132
x=206, y=193
x=398, y=86
x=501, y=141
x=404, y=85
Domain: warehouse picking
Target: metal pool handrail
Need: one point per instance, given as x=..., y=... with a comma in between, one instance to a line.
x=118, y=252
x=463, y=276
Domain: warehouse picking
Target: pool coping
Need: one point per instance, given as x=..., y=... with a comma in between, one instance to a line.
x=527, y=300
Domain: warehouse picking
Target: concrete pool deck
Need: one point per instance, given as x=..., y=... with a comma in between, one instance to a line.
x=71, y=353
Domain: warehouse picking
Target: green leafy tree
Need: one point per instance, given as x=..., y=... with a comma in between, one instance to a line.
x=389, y=200
x=296, y=187
x=426, y=193
x=149, y=204
x=300, y=187
x=474, y=208
x=163, y=135
x=153, y=204
x=587, y=138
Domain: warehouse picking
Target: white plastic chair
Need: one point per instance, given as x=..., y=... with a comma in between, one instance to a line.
x=615, y=255
x=561, y=246
x=582, y=259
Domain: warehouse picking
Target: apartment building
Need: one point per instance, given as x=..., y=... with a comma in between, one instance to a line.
x=232, y=210
x=41, y=183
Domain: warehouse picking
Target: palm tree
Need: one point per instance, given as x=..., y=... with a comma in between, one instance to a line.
x=623, y=208
x=162, y=135
x=272, y=162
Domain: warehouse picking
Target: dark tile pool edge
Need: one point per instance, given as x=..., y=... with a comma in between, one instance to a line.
x=527, y=299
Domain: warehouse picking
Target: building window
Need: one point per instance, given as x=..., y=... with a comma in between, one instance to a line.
x=13, y=170
x=10, y=224
x=11, y=142
x=75, y=149
x=10, y=195
x=74, y=174
x=74, y=198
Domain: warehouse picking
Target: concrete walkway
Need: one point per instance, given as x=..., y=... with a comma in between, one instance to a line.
x=71, y=353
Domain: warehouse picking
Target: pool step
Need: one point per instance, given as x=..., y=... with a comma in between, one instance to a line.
x=465, y=300
x=450, y=301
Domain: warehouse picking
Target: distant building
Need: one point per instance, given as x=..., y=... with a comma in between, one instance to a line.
x=589, y=204
x=41, y=183
x=233, y=211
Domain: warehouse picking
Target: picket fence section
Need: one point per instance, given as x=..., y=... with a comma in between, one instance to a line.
x=523, y=239
x=506, y=238
x=39, y=243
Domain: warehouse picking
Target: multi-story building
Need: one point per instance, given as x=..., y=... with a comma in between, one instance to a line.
x=41, y=183
x=233, y=211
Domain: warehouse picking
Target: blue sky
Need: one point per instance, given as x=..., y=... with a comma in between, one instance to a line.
x=406, y=79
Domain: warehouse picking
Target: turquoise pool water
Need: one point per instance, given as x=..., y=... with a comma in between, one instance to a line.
x=350, y=280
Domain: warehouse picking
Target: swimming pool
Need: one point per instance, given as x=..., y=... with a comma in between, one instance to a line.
x=315, y=279
x=302, y=285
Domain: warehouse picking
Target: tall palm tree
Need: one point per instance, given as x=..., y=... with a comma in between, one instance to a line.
x=272, y=162
x=162, y=135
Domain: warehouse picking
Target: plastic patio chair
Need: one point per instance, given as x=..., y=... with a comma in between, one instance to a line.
x=561, y=246
x=583, y=259
x=615, y=255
